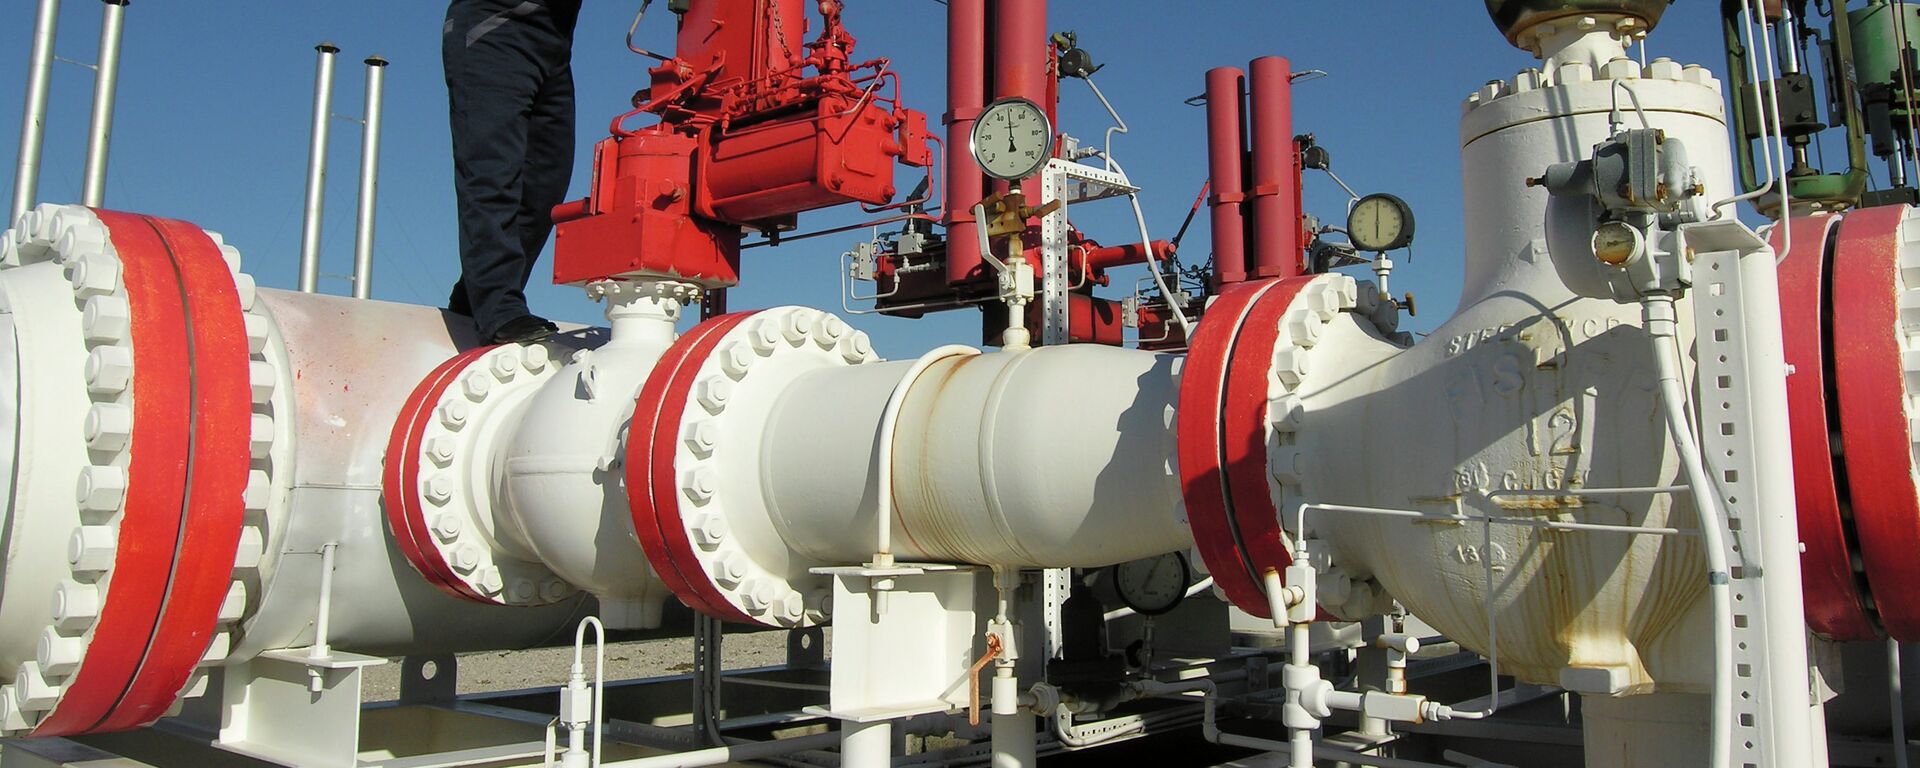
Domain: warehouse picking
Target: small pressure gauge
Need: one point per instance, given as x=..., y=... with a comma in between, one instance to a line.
x=1012, y=139
x=1380, y=222
x=1152, y=586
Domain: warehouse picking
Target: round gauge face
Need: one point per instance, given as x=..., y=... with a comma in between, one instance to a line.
x=1012, y=139
x=1380, y=222
x=1154, y=585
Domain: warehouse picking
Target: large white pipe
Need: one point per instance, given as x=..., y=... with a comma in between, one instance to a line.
x=1051, y=457
x=33, y=120
x=106, y=83
x=369, y=179
x=315, y=211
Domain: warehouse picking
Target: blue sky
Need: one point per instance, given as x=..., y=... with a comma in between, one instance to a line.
x=216, y=95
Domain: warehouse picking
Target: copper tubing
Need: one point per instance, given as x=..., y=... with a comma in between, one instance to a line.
x=1226, y=151
x=966, y=94
x=1276, y=176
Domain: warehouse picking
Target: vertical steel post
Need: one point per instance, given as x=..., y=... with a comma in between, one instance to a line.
x=317, y=170
x=369, y=180
x=106, y=83
x=33, y=123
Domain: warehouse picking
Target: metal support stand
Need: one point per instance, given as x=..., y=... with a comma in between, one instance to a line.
x=1742, y=374
x=707, y=665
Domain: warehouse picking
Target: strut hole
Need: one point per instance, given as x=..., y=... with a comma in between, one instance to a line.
x=428, y=670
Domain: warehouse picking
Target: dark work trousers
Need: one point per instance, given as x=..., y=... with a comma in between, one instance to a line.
x=510, y=89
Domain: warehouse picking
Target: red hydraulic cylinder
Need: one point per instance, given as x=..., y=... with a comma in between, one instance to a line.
x=1276, y=172
x=1225, y=153
x=1112, y=256
x=966, y=94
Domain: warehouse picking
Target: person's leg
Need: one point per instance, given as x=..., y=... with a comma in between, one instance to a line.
x=493, y=75
x=549, y=169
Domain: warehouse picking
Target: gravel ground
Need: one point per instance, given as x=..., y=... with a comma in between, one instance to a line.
x=543, y=667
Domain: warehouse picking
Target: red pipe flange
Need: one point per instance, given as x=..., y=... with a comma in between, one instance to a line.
x=1229, y=432
x=164, y=500
x=1831, y=585
x=1198, y=437
x=652, y=480
x=1870, y=343
x=406, y=516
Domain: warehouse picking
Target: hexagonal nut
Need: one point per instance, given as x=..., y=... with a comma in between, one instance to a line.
x=447, y=526
x=262, y=435
x=523, y=590
x=95, y=275
x=710, y=531
x=257, y=334
x=1285, y=413
x=1573, y=72
x=441, y=449
x=728, y=569
x=1664, y=68
x=227, y=252
x=505, y=363
x=31, y=691
x=736, y=359
x=251, y=548
x=488, y=581
x=247, y=290
x=536, y=358
x=713, y=393
x=764, y=336
x=827, y=331
x=108, y=426
x=791, y=607
x=856, y=348
x=700, y=484
x=465, y=558
x=100, y=490
x=553, y=590
x=1620, y=68
x=476, y=385
x=1290, y=366
x=795, y=327
x=1284, y=464
x=756, y=594
x=1302, y=327
x=57, y=654
x=75, y=605
x=453, y=415
x=262, y=379
x=90, y=549
x=105, y=319
x=259, y=492
x=234, y=606
x=701, y=437
x=439, y=489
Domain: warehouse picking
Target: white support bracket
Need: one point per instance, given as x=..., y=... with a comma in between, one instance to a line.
x=1742, y=421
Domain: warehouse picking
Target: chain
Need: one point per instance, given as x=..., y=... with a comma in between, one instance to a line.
x=779, y=32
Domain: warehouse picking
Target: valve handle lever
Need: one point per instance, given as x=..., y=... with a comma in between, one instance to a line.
x=973, y=678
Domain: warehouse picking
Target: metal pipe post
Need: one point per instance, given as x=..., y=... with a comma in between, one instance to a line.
x=1276, y=176
x=33, y=123
x=317, y=170
x=866, y=745
x=1226, y=155
x=966, y=95
x=106, y=83
x=369, y=180
x=1020, y=61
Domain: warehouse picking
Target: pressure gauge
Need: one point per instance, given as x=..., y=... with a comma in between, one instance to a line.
x=1012, y=139
x=1152, y=586
x=1380, y=222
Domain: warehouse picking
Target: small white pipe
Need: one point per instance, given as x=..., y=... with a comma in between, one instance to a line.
x=33, y=121
x=106, y=83
x=369, y=179
x=1898, y=703
x=1661, y=327
x=733, y=753
x=316, y=204
x=320, y=648
x=866, y=745
x=599, y=674
x=883, y=469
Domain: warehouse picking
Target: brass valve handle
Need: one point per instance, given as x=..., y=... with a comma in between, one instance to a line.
x=973, y=679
